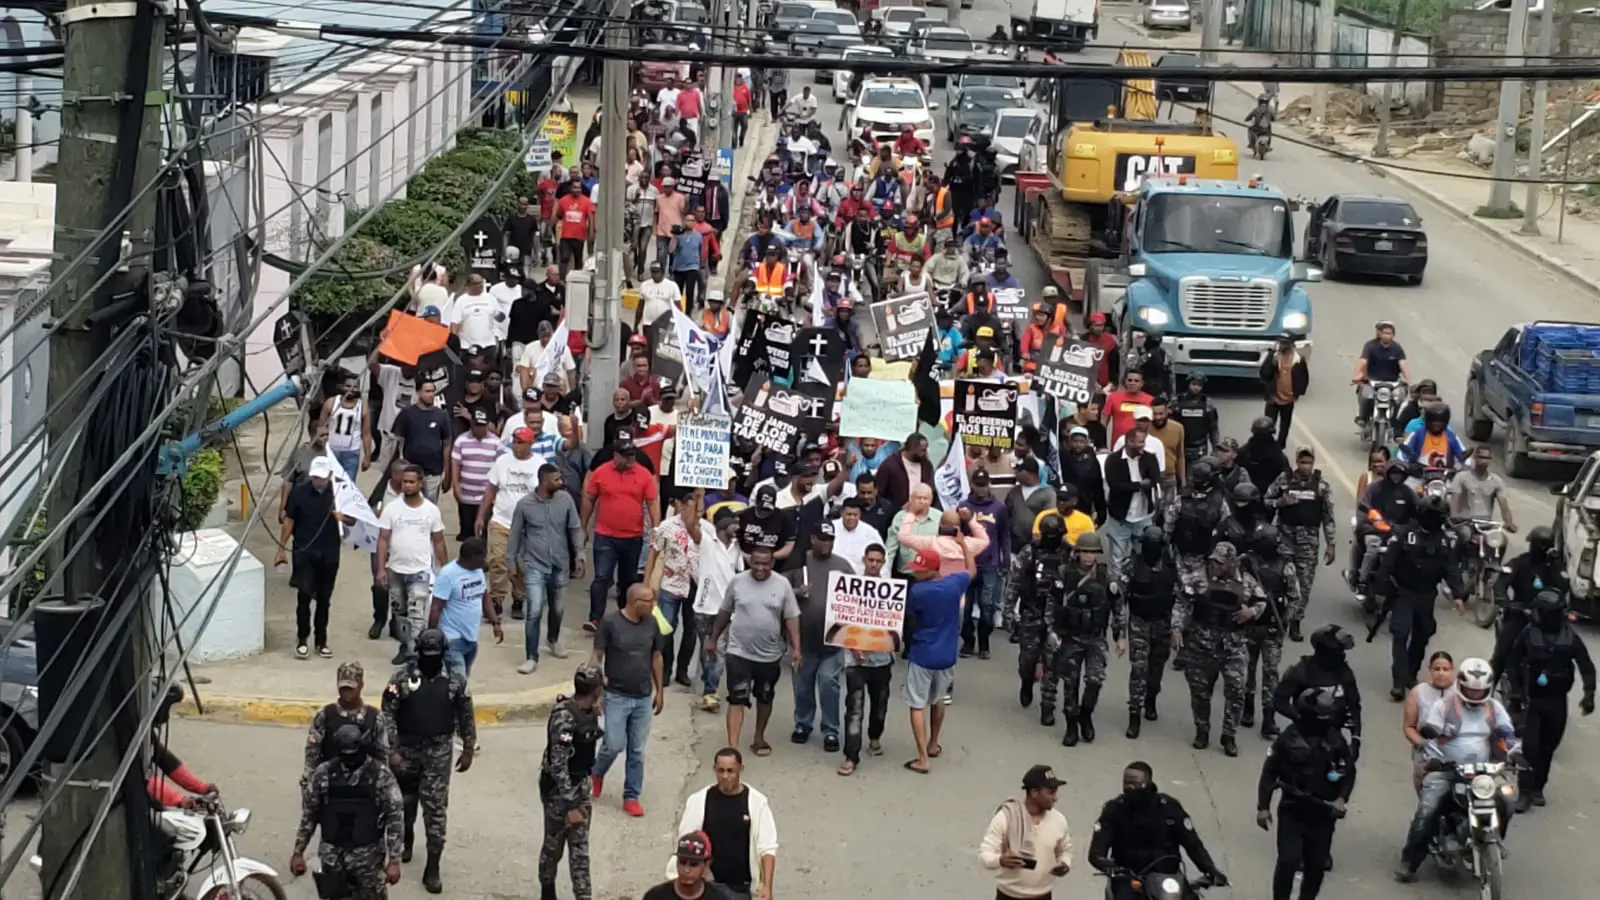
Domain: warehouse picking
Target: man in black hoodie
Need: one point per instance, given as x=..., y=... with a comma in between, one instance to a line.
x=1080, y=467
x=1263, y=458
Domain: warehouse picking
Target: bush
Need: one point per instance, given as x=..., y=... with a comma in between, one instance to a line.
x=23, y=543
x=415, y=227
x=332, y=295
x=201, y=485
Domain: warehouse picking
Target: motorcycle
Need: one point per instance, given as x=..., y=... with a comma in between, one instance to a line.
x=1260, y=143
x=1387, y=398
x=1156, y=885
x=206, y=834
x=1483, y=568
x=1467, y=835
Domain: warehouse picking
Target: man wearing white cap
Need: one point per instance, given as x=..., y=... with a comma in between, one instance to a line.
x=1142, y=419
x=312, y=523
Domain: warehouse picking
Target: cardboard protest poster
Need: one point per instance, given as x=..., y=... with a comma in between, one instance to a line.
x=1011, y=305
x=864, y=613
x=407, y=338
x=818, y=355
x=665, y=354
x=702, y=452
x=985, y=414
x=1067, y=368
x=886, y=410
x=692, y=176
x=772, y=416
x=903, y=324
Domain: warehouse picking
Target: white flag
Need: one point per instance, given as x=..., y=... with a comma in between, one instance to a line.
x=951, y=477
x=551, y=360
x=716, y=401
x=699, y=348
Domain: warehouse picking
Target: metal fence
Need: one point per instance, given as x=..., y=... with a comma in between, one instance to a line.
x=1288, y=28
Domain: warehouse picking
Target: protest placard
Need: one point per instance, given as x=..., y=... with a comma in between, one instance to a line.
x=772, y=417
x=1067, y=368
x=777, y=342
x=818, y=355
x=903, y=324
x=702, y=452
x=985, y=413
x=886, y=410
x=864, y=613
x=692, y=176
x=666, y=355
x=1011, y=305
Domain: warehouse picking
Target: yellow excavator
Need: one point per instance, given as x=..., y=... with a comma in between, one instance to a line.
x=1107, y=140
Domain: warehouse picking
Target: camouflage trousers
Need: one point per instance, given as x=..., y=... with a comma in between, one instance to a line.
x=1303, y=545
x=1149, y=648
x=1030, y=649
x=425, y=781
x=1215, y=652
x=560, y=836
x=1189, y=567
x=1266, y=651
x=1080, y=664
x=362, y=868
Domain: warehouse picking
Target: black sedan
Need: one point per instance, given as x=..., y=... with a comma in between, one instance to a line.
x=1178, y=81
x=1362, y=234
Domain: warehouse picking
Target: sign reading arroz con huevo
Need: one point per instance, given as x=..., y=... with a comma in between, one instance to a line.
x=864, y=613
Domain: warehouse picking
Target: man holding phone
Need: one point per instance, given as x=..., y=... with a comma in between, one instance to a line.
x=1027, y=845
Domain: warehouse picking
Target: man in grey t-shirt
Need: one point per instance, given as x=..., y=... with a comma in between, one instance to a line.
x=1477, y=492
x=627, y=647
x=758, y=613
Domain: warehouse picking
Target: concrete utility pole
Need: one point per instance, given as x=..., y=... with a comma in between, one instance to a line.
x=605, y=310
x=1327, y=24
x=721, y=131
x=111, y=144
x=1381, y=146
x=1541, y=93
x=1211, y=31
x=1505, y=144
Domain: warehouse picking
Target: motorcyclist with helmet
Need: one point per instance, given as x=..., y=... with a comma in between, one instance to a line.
x=1545, y=653
x=1040, y=324
x=1315, y=769
x=174, y=786
x=908, y=144
x=1387, y=504
x=1423, y=393
x=1326, y=666
x=1038, y=585
x=1435, y=444
x=1144, y=832
x=984, y=243
x=1199, y=418
x=1259, y=120
x=1149, y=588
x=1466, y=726
x=909, y=243
x=885, y=192
x=354, y=800
x=977, y=309
x=1416, y=560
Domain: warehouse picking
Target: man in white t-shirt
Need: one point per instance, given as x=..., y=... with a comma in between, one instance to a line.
x=667, y=97
x=544, y=357
x=507, y=291
x=513, y=476
x=852, y=537
x=1142, y=420
x=476, y=315
x=410, y=548
x=657, y=296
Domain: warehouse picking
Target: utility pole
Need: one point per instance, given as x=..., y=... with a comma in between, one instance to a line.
x=1327, y=24
x=605, y=309
x=1505, y=144
x=1381, y=146
x=1211, y=31
x=1541, y=92
x=729, y=21
x=112, y=100
x=716, y=129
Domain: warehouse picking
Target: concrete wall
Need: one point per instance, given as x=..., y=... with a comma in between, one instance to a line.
x=27, y=226
x=1289, y=28
x=1469, y=37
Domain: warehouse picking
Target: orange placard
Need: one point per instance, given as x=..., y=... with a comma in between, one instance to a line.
x=407, y=338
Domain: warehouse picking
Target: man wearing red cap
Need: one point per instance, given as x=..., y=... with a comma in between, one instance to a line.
x=935, y=606
x=1100, y=337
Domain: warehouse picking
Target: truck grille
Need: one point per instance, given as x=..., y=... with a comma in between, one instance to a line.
x=1227, y=305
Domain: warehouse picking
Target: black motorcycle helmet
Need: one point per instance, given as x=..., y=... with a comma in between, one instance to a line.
x=164, y=704
x=1245, y=494
x=1332, y=642
x=1052, y=531
x=1436, y=414
x=1265, y=541
x=347, y=745
x=1541, y=540
x=1549, y=609
x=1317, y=705
x=1261, y=427
x=1432, y=512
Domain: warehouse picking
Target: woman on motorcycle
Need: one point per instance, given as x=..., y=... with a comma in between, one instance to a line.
x=1441, y=681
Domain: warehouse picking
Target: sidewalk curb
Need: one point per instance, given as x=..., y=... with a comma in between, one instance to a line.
x=755, y=139
x=491, y=709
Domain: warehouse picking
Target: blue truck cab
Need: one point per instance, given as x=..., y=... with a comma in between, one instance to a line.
x=1541, y=383
x=1211, y=263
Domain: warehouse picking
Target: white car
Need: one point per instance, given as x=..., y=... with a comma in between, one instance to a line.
x=1011, y=128
x=888, y=105
x=841, y=77
x=942, y=44
x=844, y=18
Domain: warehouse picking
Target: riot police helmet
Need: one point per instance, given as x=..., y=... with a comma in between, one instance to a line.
x=1052, y=531
x=1265, y=540
x=1541, y=540
x=1318, y=704
x=1089, y=543
x=1197, y=378
x=1202, y=474
x=432, y=643
x=1261, y=426
x=347, y=745
x=1245, y=493
x=1332, y=640
x=1549, y=606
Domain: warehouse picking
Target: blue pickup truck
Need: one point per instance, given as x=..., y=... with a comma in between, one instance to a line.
x=1542, y=384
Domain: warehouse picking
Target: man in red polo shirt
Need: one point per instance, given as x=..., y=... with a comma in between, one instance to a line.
x=575, y=226
x=1122, y=404
x=1099, y=336
x=621, y=498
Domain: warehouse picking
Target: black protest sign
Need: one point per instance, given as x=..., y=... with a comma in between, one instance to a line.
x=289, y=338
x=985, y=413
x=820, y=401
x=482, y=245
x=772, y=417
x=666, y=357
x=819, y=356
x=692, y=177
x=1067, y=368
x=903, y=325
x=1011, y=305
x=777, y=346
x=749, y=354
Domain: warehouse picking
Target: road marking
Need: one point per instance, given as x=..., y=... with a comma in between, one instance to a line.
x=1330, y=463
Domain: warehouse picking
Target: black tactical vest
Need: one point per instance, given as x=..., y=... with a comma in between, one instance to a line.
x=1306, y=511
x=350, y=810
x=1198, y=518
x=1217, y=604
x=1549, y=656
x=429, y=711
x=1152, y=588
x=333, y=718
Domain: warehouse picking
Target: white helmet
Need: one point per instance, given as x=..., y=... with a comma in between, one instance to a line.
x=1474, y=681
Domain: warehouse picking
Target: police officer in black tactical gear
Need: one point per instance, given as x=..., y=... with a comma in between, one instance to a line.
x=354, y=801
x=1246, y=510
x=1326, y=666
x=1142, y=831
x=1039, y=584
x=1316, y=770
x=1195, y=412
x=1419, y=556
x=1149, y=587
x=1546, y=653
x=1194, y=514
x=1538, y=569
x=1265, y=634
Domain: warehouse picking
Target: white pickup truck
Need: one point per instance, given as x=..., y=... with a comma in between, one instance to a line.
x=1577, y=528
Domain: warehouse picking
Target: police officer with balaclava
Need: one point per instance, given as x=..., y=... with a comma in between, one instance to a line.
x=1524, y=577
x=426, y=706
x=1326, y=666
x=355, y=801
x=571, y=738
x=1418, y=558
x=1315, y=769
x=1039, y=585
x=1143, y=832
x=1546, y=653
x=1246, y=510
x=1193, y=516
x=1149, y=586
x=1264, y=635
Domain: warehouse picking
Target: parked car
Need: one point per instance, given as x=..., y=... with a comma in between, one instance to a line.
x=978, y=108
x=1011, y=128
x=1368, y=235
x=1168, y=14
x=942, y=44
x=841, y=77
x=19, y=696
x=1534, y=384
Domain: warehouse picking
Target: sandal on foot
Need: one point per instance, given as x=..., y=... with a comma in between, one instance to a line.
x=935, y=751
x=848, y=768
x=761, y=748
x=911, y=766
